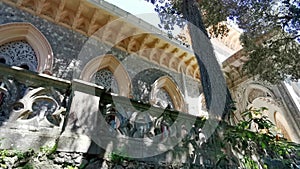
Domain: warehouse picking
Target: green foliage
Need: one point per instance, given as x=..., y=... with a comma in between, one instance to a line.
x=214, y=14
x=28, y=166
x=3, y=166
x=10, y=153
x=262, y=143
x=250, y=144
x=1, y=140
x=271, y=34
x=3, y=153
x=48, y=150
x=255, y=116
x=20, y=154
x=118, y=156
x=22, y=158
x=250, y=163
x=280, y=52
x=71, y=167
x=271, y=31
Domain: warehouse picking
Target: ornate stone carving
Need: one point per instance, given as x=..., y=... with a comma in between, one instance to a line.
x=40, y=105
x=170, y=93
x=32, y=106
x=105, y=78
x=18, y=53
x=10, y=92
x=132, y=123
x=126, y=121
x=109, y=65
x=87, y=18
x=24, y=43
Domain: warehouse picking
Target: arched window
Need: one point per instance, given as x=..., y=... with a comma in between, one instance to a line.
x=277, y=116
x=108, y=72
x=143, y=82
x=23, y=45
x=165, y=93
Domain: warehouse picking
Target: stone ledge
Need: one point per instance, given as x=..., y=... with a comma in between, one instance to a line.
x=21, y=139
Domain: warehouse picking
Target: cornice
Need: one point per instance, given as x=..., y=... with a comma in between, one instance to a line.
x=118, y=28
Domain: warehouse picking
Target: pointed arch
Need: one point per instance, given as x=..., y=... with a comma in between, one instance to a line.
x=25, y=31
x=171, y=88
x=277, y=116
x=115, y=66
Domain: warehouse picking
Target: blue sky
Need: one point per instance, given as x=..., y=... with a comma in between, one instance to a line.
x=145, y=11
x=133, y=6
x=139, y=8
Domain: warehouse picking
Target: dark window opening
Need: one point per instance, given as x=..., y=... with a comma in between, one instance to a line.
x=2, y=60
x=25, y=66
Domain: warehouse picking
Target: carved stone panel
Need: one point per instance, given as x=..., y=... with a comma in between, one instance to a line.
x=19, y=53
x=105, y=78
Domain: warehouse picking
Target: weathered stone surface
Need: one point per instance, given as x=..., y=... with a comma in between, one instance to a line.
x=24, y=139
x=10, y=161
x=70, y=56
x=97, y=164
x=73, y=50
x=74, y=142
x=59, y=160
x=47, y=164
x=78, y=159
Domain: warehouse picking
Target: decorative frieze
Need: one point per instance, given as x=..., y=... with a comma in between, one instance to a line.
x=89, y=19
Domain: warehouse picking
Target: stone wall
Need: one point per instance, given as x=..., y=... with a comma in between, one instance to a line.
x=51, y=118
x=73, y=50
x=55, y=138
x=59, y=37
x=63, y=160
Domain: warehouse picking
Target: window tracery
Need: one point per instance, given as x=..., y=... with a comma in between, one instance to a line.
x=18, y=53
x=165, y=93
x=105, y=78
x=120, y=83
x=32, y=41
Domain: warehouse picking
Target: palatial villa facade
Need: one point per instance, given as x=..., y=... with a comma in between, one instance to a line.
x=88, y=47
x=95, y=46
x=281, y=100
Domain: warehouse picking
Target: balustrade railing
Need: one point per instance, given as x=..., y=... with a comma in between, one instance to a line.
x=32, y=99
x=39, y=101
x=37, y=109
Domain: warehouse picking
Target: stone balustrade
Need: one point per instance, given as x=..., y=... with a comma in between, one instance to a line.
x=83, y=120
x=41, y=109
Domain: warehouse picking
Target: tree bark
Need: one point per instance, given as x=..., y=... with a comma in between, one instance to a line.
x=217, y=96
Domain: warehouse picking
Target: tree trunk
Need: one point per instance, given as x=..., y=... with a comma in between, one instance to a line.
x=217, y=96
